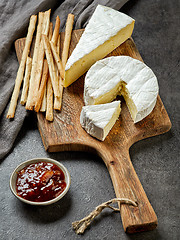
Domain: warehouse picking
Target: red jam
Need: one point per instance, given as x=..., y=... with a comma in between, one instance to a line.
x=40, y=182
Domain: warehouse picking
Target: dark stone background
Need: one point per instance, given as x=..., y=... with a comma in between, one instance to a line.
x=156, y=160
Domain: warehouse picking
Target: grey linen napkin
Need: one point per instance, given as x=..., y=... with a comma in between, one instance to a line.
x=14, y=19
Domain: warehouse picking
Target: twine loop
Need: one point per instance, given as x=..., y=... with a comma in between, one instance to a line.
x=81, y=225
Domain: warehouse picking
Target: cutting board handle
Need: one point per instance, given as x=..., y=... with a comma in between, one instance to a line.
x=127, y=185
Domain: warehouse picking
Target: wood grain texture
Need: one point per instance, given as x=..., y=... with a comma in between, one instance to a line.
x=66, y=134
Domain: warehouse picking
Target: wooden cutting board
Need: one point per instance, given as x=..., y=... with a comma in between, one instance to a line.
x=66, y=134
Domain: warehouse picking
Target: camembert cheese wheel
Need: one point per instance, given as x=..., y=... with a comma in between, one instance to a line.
x=122, y=75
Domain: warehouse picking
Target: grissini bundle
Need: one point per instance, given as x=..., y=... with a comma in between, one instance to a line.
x=39, y=67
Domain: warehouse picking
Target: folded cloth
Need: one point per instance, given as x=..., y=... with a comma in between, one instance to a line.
x=14, y=20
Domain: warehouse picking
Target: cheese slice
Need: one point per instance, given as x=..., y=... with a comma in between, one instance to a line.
x=122, y=75
x=106, y=30
x=98, y=120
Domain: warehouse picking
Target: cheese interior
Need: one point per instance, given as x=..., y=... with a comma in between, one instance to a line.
x=109, y=96
x=111, y=123
x=119, y=89
x=129, y=102
x=81, y=66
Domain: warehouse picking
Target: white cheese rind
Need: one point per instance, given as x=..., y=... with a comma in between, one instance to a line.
x=98, y=120
x=108, y=77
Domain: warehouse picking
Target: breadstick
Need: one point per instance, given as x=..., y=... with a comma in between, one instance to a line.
x=49, y=107
x=44, y=100
x=58, y=100
x=42, y=87
x=59, y=44
x=56, y=36
x=49, y=97
x=61, y=87
x=57, y=59
x=29, y=104
x=56, y=31
x=47, y=22
x=41, y=54
x=67, y=38
x=21, y=69
x=50, y=61
x=50, y=31
x=60, y=84
x=26, y=81
x=55, y=39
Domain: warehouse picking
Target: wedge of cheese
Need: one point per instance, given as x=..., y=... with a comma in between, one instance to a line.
x=98, y=120
x=106, y=30
x=122, y=75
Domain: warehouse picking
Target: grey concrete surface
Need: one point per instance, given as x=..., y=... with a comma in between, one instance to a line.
x=156, y=160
